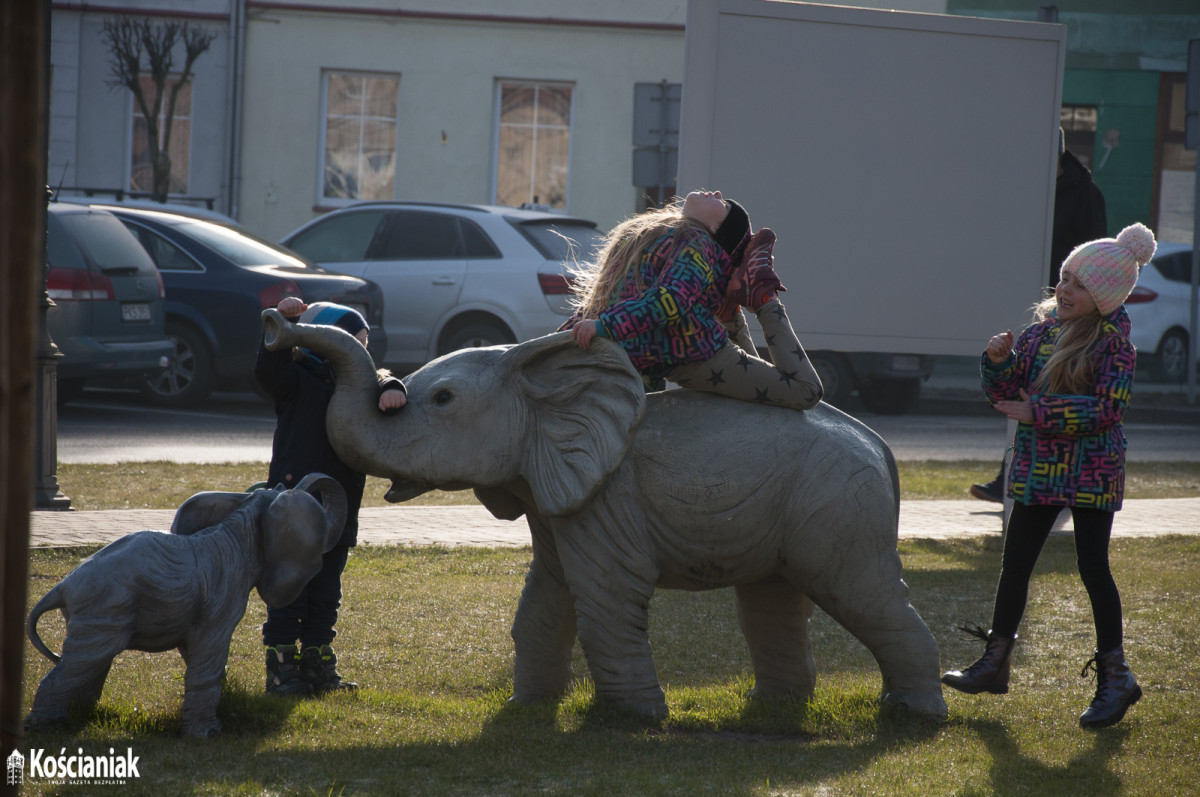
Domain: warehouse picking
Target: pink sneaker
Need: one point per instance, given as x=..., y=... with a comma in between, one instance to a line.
x=760, y=280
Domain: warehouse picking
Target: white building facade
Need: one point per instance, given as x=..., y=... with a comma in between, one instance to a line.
x=301, y=106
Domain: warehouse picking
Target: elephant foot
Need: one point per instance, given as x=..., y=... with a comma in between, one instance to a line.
x=532, y=698
x=779, y=691
x=202, y=730
x=40, y=719
x=653, y=709
x=930, y=704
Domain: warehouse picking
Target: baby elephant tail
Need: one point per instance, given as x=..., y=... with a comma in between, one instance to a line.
x=51, y=601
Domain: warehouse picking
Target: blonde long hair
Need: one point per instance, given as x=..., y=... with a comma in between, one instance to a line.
x=1069, y=368
x=597, y=285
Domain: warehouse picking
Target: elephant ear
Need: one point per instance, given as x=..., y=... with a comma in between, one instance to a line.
x=298, y=528
x=204, y=510
x=332, y=496
x=585, y=407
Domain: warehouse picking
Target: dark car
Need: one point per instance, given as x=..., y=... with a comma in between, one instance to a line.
x=219, y=278
x=109, y=313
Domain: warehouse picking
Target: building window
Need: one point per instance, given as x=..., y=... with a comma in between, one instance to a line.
x=359, y=152
x=1079, y=128
x=141, y=173
x=1175, y=183
x=533, y=143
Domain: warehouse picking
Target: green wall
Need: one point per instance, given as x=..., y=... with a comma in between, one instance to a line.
x=1116, y=53
x=1127, y=102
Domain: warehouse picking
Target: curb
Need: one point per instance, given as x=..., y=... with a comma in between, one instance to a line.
x=474, y=526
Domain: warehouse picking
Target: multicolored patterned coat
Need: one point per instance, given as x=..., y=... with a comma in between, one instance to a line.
x=1073, y=454
x=673, y=319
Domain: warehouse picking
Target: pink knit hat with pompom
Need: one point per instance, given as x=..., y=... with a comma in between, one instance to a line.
x=1108, y=268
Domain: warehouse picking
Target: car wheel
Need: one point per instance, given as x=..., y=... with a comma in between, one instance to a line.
x=1173, y=356
x=474, y=335
x=188, y=379
x=837, y=383
x=890, y=396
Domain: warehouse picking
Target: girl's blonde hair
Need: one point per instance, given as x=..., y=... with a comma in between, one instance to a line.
x=597, y=285
x=1069, y=369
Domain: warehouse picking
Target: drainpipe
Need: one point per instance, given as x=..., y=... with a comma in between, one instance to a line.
x=237, y=31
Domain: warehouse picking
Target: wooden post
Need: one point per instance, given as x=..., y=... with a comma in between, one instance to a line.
x=24, y=45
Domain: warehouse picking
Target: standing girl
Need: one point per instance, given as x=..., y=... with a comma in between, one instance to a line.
x=668, y=286
x=1067, y=383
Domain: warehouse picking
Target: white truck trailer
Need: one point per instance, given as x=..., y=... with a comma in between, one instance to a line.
x=907, y=162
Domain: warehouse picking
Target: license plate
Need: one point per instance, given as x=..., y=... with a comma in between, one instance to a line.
x=906, y=362
x=132, y=311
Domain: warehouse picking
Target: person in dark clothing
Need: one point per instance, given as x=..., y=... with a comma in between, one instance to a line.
x=1079, y=211
x=1079, y=217
x=301, y=383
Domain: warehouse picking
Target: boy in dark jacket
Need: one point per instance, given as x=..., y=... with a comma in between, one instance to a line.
x=301, y=383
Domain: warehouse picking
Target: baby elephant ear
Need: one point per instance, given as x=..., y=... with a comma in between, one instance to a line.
x=584, y=408
x=204, y=510
x=332, y=496
x=297, y=531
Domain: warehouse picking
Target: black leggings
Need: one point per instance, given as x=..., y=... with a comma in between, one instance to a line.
x=1028, y=528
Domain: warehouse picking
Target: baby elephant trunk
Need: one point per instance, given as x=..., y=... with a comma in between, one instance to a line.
x=298, y=528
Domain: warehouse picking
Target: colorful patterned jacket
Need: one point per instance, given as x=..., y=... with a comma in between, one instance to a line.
x=1073, y=454
x=673, y=320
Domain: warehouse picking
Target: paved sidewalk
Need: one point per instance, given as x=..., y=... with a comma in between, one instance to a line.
x=454, y=526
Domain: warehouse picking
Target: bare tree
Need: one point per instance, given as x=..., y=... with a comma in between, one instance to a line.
x=128, y=39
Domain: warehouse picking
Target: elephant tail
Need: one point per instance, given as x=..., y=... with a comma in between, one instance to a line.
x=51, y=601
x=894, y=472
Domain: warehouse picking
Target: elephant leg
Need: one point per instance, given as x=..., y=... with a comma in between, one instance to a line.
x=873, y=605
x=543, y=630
x=205, y=660
x=774, y=616
x=612, y=609
x=615, y=640
x=78, y=678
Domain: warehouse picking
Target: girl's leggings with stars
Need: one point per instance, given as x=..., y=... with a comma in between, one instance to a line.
x=736, y=371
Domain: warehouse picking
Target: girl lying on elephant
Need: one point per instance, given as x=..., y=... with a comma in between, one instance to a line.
x=668, y=286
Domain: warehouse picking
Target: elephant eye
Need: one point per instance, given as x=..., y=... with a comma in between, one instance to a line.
x=443, y=397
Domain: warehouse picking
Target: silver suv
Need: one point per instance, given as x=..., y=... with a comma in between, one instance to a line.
x=453, y=276
x=108, y=315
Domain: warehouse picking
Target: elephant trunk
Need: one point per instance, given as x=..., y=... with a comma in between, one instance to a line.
x=353, y=422
x=351, y=362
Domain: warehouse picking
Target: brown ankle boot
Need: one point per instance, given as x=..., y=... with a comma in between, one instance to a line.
x=991, y=672
x=1116, y=689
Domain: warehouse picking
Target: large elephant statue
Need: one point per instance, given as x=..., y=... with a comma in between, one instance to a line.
x=188, y=589
x=626, y=492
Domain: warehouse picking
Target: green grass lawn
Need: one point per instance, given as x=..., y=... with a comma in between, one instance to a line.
x=166, y=485
x=425, y=632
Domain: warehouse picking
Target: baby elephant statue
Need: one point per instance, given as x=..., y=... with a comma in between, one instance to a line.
x=154, y=591
x=626, y=492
